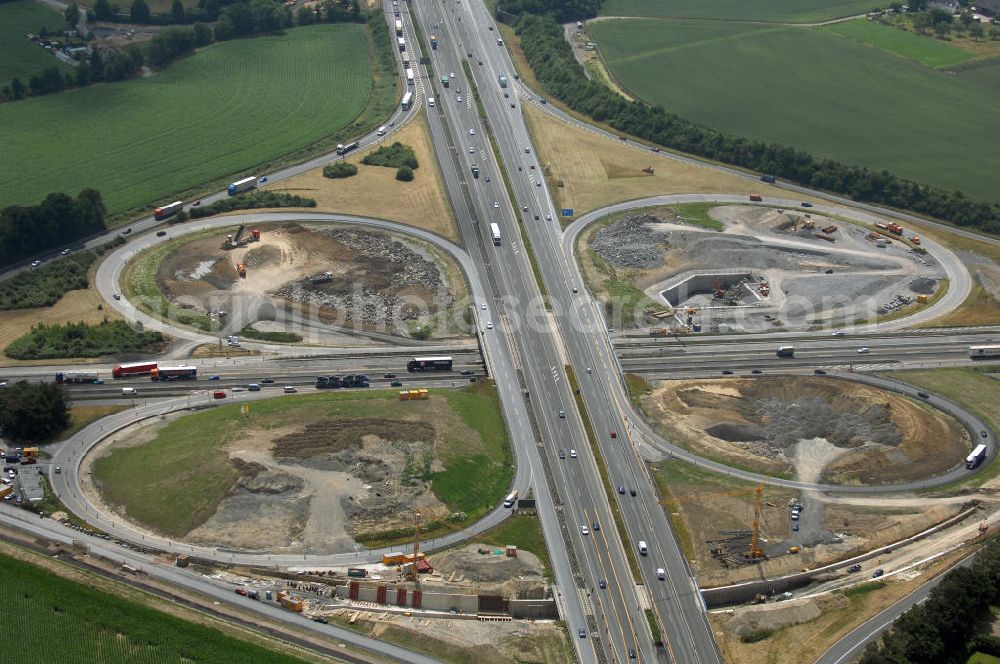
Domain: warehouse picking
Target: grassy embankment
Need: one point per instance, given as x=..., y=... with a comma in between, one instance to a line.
x=477, y=467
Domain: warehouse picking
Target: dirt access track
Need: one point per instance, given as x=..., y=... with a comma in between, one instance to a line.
x=301, y=275
x=767, y=269
x=815, y=428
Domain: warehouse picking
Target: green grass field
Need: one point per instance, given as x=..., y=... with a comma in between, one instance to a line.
x=18, y=55
x=800, y=11
x=971, y=389
x=926, y=51
x=82, y=624
x=814, y=90
x=477, y=472
x=208, y=118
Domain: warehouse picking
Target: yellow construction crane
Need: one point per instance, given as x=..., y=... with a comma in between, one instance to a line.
x=755, y=550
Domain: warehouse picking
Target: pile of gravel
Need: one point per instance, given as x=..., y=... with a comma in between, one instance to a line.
x=923, y=286
x=785, y=422
x=631, y=242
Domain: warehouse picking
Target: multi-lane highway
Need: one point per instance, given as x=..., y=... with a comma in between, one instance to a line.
x=527, y=345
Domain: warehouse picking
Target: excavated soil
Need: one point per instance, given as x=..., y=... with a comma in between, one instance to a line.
x=882, y=437
x=356, y=278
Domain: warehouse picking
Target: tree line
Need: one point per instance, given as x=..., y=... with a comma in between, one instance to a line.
x=32, y=412
x=57, y=220
x=952, y=624
x=551, y=58
x=82, y=340
x=239, y=17
x=232, y=21
x=561, y=10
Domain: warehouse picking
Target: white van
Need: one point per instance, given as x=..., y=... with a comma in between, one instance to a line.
x=642, y=547
x=289, y=389
x=430, y=102
x=661, y=573
x=129, y=391
x=381, y=131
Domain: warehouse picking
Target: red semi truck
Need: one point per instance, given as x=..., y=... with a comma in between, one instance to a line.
x=133, y=369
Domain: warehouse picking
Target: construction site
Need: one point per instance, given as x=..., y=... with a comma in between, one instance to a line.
x=328, y=283
x=768, y=269
x=808, y=429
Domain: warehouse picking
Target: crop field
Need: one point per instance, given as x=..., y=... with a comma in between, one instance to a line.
x=19, y=56
x=928, y=52
x=207, y=118
x=82, y=624
x=845, y=101
x=800, y=11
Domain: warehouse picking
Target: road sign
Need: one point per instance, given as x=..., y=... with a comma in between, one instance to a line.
x=567, y=212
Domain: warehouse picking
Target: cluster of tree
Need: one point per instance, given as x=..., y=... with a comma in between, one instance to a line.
x=560, y=10
x=340, y=169
x=943, y=629
x=939, y=21
x=58, y=220
x=551, y=58
x=239, y=17
x=255, y=199
x=45, y=342
x=396, y=155
x=174, y=42
x=281, y=337
x=31, y=412
x=44, y=286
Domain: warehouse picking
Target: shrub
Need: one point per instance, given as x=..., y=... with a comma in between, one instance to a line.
x=341, y=169
x=82, y=340
x=256, y=199
x=396, y=155
x=404, y=174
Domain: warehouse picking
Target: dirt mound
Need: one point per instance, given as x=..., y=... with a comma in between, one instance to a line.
x=488, y=564
x=879, y=437
x=815, y=409
x=631, y=242
x=923, y=286
x=327, y=437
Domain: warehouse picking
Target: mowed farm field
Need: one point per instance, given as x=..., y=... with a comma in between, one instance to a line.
x=797, y=11
x=20, y=56
x=814, y=90
x=207, y=118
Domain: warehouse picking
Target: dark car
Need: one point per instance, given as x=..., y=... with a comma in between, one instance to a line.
x=126, y=231
x=597, y=527
x=562, y=454
x=602, y=584
x=621, y=489
x=756, y=371
x=631, y=653
x=582, y=632
x=727, y=372
x=806, y=204
x=321, y=620
x=395, y=383
x=877, y=573
x=160, y=233
x=468, y=372
x=795, y=526
x=854, y=568
x=819, y=372
x=631, y=492
x=984, y=434
x=389, y=375
x=215, y=377
x=267, y=381
x=924, y=395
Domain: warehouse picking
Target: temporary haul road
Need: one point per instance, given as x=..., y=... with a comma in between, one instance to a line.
x=525, y=351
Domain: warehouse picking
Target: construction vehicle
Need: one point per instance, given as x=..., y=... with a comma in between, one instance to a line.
x=648, y=169
x=825, y=237
x=755, y=198
x=242, y=270
x=893, y=228
x=830, y=229
x=915, y=239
